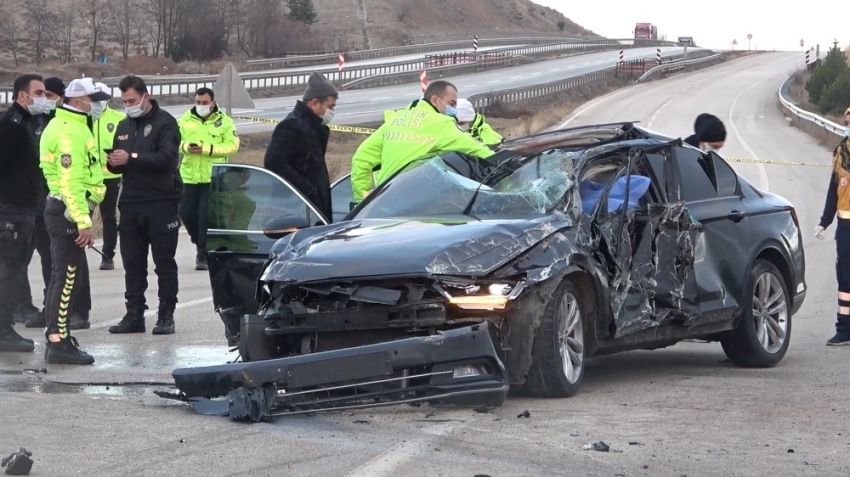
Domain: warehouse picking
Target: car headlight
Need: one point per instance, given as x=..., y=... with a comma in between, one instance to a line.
x=496, y=297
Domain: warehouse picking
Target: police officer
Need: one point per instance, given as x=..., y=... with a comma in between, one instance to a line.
x=75, y=186
x=20, y=183
x=208, y=136
x=146, y=154
x=428, y=126
x=838, y=203
x=473, y=123
x=104, y=135
x=26, y=313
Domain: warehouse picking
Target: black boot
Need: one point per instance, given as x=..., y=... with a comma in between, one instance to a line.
x=11, y=341
x=201, y=261
x=164, y=322
x=132, y=322
x=40, y=320
x=66, y=351
x=842, y=332
x=25, y=313
x=79, y=321
x=108, y=262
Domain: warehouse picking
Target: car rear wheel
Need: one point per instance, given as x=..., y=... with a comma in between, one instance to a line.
x=764, y=330
x=558, y=354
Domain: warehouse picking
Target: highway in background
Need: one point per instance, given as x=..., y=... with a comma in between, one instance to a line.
x=673, y=412
x=366, y=105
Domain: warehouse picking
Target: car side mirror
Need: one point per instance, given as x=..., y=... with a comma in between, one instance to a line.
x=284, y=225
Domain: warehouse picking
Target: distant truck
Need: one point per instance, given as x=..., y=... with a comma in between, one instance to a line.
x=646, y=31
x=687, y=41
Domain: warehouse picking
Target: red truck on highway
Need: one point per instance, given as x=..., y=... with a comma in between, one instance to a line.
x=646, y=31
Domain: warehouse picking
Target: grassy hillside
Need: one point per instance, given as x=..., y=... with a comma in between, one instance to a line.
x=340, y=25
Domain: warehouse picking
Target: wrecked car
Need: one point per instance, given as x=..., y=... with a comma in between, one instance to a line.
x=460, y=278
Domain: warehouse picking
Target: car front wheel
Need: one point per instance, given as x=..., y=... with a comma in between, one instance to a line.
x=764, y=331
x=558, y=354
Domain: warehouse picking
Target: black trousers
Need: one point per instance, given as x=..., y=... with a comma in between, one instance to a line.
x=67, y=259
x=155, y=226
x=108, y=209
x=16, y=228
x=193, y=212
x=82, y=287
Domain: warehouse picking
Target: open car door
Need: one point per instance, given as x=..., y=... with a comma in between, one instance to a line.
x=243, y=198
x=648, y=245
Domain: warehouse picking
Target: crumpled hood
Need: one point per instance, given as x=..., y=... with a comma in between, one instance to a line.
x=388, y=247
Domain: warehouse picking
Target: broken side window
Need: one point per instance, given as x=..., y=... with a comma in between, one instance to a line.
x=697, y=175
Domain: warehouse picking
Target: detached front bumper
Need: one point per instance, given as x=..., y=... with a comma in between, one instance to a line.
x=459, y=367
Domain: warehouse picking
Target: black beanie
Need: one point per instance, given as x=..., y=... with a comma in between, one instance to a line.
x=708, y=128
x=54, y=85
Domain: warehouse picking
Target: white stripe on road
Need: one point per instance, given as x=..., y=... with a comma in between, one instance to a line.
x=389, y=462
x=657, y=111
x=591, y=106
x=765, y=185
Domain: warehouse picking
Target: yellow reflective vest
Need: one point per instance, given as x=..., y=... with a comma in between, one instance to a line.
x=70, y=164
x=482, y=131
x=409, y=135
x=104, y=133
x=217, y=136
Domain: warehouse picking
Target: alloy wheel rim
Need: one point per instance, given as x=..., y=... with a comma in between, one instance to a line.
x=571, y=338
x=770, y=312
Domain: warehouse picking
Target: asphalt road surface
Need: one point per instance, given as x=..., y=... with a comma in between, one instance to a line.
x=365, y=105
x=672, y=412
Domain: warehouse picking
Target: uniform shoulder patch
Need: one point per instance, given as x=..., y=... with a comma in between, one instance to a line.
x=110, y=127
x=65, y=160
x=148, y=129
x=217, y=123
x=234, y=132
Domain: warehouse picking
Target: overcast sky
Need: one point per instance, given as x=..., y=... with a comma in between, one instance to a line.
x=715, y=23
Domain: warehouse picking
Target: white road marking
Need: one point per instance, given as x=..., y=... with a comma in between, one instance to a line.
x=380, y=99
x=471, y=85
x=591, y=106
x=497, y=81
x=765, y=185
x=535, y=74
x=655, y=114
x=388, y=462
x=516, y=77
x=152, y=312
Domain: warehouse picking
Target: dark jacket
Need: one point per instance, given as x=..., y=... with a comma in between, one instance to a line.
x=154, y=173
x=41, y=121
x=693, y=140
x=297, y=153
x=21, y=181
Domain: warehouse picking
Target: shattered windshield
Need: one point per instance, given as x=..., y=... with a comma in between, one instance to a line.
x=430, y=187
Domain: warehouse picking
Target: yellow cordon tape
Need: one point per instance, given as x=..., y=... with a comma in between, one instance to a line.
x=333, y=127
x=367, y=131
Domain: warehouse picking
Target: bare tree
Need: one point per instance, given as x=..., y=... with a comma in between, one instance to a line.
x=122, y=25
x=10, y=34
x=61, y=34
x=162, y=28
x=95, y=15
x=39, y=22
x=403, y=8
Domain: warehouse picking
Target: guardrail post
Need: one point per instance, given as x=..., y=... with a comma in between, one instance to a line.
x=423, y=80
x=621, y=58
x=658, y=55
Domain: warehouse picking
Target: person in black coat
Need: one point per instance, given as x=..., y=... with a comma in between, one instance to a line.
x=299, y=142
x=709, y=133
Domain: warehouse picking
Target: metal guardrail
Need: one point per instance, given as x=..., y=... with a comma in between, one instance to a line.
x=544, y=92
x=329, y=58
x=680, y=64
x=807, y=116
x=283, y=80
x=434, y=73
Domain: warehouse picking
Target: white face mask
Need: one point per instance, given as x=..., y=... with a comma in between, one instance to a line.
x=847, y=132
x=97, y=109
x=203, y=110
x=41, y=106
x=135, y=111
x=328, y=117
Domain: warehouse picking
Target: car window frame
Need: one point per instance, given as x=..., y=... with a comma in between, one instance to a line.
x=716, y=157
x=283, y=181
x=678, y=167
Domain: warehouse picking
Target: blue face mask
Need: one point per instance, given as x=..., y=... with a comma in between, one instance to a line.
x=450, y=110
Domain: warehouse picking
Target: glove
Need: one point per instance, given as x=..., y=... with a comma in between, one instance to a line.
x=819, y=232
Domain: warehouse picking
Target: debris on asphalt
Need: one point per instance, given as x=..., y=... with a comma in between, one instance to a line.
x=597, y=446
x=790, y=451
x=430, y=414
x=361, y=422
x=635, y=443
x=575, y=434
x=524, y=414
x=19, y=463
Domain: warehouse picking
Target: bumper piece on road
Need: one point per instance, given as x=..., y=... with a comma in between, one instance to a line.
x=455, y=367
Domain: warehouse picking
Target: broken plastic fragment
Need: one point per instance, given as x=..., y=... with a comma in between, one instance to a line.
x=19, y=463
x=597, y=446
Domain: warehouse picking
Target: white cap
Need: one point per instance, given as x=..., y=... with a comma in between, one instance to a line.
x=465, y=111
x=104, y=88
x=79, y=88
